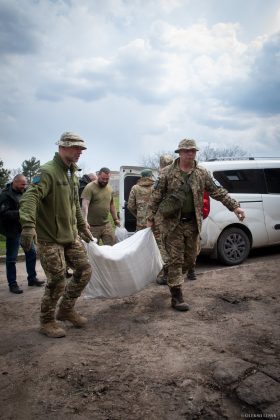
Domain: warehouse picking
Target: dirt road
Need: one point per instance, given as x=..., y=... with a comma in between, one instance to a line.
x=139, y=359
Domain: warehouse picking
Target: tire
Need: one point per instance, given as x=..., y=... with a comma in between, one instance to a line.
x=233, y=246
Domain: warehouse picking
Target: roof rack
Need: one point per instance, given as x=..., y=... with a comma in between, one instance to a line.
x=241, y=158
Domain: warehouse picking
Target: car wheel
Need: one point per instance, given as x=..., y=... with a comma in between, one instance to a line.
x=233, y=246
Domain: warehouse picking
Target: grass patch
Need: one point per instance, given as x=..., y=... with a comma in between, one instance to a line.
x=2, y=245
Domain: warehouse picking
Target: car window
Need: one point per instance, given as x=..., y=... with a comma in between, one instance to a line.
x=272, y=177
x=249, y=181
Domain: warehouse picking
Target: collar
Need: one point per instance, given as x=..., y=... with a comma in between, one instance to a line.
x=57, y=158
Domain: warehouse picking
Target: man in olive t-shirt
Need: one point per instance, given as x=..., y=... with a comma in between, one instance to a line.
x=97, y=203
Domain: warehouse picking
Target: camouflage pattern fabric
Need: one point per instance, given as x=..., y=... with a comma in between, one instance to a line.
x=138, y=200
x=104, y=233
x=179, y=245
x=171, y=180
x=54, y=258
x=181, y=240
x=158, y=237
x=164, y=161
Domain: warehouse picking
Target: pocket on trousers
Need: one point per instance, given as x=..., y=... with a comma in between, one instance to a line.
x=52, y=258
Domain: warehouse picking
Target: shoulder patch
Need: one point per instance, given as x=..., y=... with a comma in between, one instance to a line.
x=36, y=179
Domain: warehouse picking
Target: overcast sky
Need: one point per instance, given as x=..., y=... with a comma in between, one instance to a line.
x=134, y=77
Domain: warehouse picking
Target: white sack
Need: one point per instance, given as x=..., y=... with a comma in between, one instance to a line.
x=125, y=268
x=121, y=233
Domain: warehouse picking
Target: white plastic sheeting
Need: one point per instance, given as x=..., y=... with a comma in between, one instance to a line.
x=125, y=268
x=121, y=233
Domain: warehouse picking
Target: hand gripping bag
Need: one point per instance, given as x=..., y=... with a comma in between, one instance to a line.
x=120, y=233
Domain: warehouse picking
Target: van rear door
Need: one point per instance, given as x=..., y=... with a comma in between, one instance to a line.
x=129, y=176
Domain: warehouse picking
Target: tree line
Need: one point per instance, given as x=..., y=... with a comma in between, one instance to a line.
x=205, y=154
x=29, y=168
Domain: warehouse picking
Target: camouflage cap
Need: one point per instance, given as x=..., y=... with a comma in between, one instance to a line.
x=186, y=144
x=165, y=160
x=69, y=139
x=146, y=173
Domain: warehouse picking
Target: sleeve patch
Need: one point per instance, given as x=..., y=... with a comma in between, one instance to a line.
x=36, y=179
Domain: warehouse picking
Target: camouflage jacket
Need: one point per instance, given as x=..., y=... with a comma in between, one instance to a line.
x=201, y=180
x=51, y=203
x=138, y=200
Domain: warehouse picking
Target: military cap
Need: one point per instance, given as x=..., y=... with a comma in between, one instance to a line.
x=165, y=160
x=186, y=144
x=146, y=173
x=69, y=139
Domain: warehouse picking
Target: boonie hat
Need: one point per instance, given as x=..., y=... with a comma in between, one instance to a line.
x=146, y=173
x=186, y=144
x=165, y=160
x=69, y=139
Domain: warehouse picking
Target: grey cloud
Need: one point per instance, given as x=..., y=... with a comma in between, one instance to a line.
x=260, y=91
x=16, y=31
x=135, y=72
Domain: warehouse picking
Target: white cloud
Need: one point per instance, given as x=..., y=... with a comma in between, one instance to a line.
x=137, y=79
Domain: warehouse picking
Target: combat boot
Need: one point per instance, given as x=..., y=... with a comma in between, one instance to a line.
x=72, y=316
x=163, y=277
x=191, y=274
x=52, y=329
x=177, y=300
x=36, y=282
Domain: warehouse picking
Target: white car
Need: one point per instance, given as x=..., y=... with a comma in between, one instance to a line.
x=254, y=183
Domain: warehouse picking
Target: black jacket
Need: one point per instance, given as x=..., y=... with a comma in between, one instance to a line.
x=83, y=182
x=9, y=212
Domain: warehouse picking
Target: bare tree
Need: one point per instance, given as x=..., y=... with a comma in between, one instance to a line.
x=14, y=172
x=152, y=161
x=205, y=153
x=208, y=153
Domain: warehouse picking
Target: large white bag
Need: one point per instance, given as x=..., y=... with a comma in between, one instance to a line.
x=125, y=268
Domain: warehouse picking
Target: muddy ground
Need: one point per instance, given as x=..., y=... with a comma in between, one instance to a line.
x=139, y=359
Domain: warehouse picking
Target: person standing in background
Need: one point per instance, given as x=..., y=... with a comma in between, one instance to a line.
x=86, y=179
x=10, y=227
x=97, y=204
x=139, y=197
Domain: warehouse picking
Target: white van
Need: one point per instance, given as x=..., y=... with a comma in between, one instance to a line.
x=254, y=183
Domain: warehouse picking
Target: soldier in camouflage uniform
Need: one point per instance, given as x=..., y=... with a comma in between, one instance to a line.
x=50, y=209
x=139, y=197
x=186, y=180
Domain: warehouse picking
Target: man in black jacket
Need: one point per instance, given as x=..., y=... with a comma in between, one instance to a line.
x=86, y=179
x=10, y=227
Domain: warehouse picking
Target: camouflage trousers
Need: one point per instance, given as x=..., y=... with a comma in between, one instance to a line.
x=158, y=237
x=105, y=233
x=54, y=258
x=181, y=245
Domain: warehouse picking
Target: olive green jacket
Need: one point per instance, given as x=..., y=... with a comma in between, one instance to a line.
x=51, y=203
x=201, y=180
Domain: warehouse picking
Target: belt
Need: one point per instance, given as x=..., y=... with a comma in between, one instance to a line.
x=187, y=217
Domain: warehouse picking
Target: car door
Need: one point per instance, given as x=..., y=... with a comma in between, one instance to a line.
x=271, y=201
x=246, y=185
